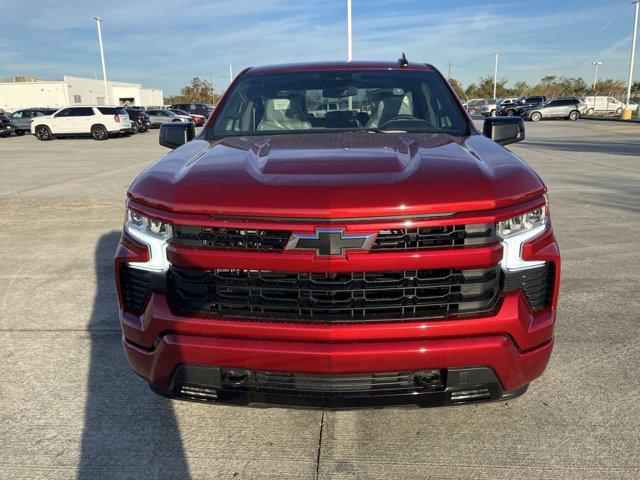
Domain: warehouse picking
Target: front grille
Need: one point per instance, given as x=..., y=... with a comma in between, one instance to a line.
x=435, y=237
x=334, y=297
x=230, y=238
x=135, y=287
x=537, y=284
x=346, y=383
x=402, y=239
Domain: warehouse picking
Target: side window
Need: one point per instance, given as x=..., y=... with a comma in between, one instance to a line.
x=18, y=114
x=82, y=112
x=64, y=113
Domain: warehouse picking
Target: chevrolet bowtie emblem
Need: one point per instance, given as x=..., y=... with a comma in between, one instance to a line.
x=330, y=241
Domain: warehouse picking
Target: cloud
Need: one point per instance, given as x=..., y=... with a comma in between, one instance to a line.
x=165, y=43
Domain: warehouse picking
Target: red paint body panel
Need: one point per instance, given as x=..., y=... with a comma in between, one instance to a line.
x=362, y=183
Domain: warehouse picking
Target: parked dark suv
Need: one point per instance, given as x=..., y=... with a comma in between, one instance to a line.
x=194, y=108
x=139, y=119
x=6, y=126
x=521, y=104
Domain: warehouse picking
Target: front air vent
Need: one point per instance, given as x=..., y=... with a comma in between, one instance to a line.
x=537, y=284
x=135, y=287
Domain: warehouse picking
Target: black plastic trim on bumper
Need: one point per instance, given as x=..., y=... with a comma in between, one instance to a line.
x=478, y=379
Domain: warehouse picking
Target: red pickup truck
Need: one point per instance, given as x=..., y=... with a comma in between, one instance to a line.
x=339, y=235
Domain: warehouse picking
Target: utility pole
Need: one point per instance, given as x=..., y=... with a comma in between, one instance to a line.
x=230, y=74
x=104, y=69
x=495, y=78
x=450, y=65
x=349, y=42
x=595, y=77
x=633, y=53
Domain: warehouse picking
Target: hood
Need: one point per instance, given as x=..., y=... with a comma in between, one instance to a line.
x=330, y=175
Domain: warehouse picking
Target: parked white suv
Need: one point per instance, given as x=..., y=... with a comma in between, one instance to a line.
x=97, y=121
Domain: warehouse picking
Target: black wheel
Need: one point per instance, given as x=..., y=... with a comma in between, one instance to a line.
x=536, y=116
x=511, y=113
x=43, y=133
x=590, y=111
x=98, y=132
x=619, y=111
x=575, y=115
x=20, y=132
x=134, y=128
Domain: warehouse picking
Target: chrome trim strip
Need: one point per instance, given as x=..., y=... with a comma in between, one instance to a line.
x=331, y=220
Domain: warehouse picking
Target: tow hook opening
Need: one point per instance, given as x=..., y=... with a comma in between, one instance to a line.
x=430, y=379
x=235, y=377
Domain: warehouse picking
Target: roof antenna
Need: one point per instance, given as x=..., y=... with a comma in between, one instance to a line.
x=403, y=62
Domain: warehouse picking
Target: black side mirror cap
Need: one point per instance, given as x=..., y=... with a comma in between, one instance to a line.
x=175, y=134
x=504, y=130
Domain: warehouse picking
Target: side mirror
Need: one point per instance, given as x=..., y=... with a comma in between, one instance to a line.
x=504, y=130
x=174, y=134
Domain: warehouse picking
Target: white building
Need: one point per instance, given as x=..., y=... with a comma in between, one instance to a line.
x=74, y=91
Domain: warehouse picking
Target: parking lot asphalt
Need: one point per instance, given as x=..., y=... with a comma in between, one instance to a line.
x=70, y=407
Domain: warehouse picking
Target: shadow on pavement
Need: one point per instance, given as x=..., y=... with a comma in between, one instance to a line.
x=626, y=148
x=129, y=432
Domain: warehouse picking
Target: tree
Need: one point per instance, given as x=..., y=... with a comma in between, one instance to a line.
x=457, y=87
x=521, y=88
x=609, y=86
x=199, y=91
x=484, y=89
x=471, y=91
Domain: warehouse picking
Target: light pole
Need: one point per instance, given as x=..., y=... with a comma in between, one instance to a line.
x=633, y=54
x=495, y=78
x=104, y=68
x=349, y=43
x=450, y=65
x=230, y=74
x=595, y=77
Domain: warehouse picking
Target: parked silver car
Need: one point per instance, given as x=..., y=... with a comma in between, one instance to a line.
x=159, y=116
x=493, y=106
x=569, y=108
x=22, y=118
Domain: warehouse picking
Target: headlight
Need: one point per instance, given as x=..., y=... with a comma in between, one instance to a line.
x=516, y=231
x=155, y=234
x=523, y=223
x=145, y=224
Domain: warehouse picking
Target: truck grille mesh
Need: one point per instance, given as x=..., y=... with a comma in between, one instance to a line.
x=394, y=239
x=334, y=297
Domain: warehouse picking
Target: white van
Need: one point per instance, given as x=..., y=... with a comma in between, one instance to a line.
x=98, y=122
x=603, y=104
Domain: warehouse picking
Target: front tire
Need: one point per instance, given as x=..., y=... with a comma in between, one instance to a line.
x=511, y=113
x=536, y=116
x=43, y=133
x=575, y=115
x=591, y=111
x=99, y=132
x=493, y=113
x=20, y=132
x=619, y=111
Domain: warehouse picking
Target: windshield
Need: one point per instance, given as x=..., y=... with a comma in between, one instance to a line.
x=319, y=101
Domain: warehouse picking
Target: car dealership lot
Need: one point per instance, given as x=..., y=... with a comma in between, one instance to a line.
x=70, y=405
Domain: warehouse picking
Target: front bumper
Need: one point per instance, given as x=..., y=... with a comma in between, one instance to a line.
x=513, y=342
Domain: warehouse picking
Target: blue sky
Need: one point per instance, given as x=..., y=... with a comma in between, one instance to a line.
x=164, y=43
